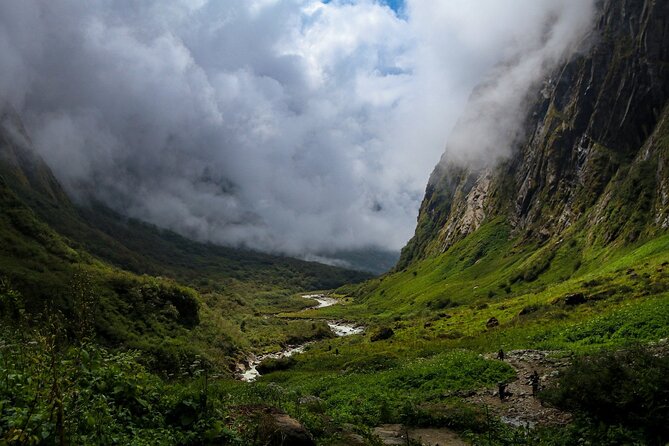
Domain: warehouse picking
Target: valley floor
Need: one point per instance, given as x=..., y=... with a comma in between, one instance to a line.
x=436, y=367
x=425, y=364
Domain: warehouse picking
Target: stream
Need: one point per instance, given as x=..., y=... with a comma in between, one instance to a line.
x=339, y=328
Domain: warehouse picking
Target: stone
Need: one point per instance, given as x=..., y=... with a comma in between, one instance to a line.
x=574, y=299
x=391, y=434
x=381, y=334
x=280, y=429
x=353, y=439
x=492, y=322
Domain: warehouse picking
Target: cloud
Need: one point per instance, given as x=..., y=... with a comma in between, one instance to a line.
x=290, y=126
x=492, y=122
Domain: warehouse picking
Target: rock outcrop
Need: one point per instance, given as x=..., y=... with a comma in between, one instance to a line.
x=595, y=149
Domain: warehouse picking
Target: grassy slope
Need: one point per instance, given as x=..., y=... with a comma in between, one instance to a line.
x=615, y=257
x=438, y=309
x=134, y=271
x=140, y=311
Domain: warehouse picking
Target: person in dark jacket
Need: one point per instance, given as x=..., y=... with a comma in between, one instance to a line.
x=534, y=382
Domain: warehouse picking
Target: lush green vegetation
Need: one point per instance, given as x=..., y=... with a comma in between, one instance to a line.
x=116, y=332
x=55, y=390
x=563, y=296
x=219, y=315
x=384, y=387
x=621, y=397
x=164, y=340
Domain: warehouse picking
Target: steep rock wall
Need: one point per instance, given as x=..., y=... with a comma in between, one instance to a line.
x=594, y=150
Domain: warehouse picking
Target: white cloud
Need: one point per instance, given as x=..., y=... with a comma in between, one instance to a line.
x=291, y=126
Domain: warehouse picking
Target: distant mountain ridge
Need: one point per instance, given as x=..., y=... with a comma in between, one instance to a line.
x=370, y=259
x=151, y=289
x=127, y=243
x=595, y=154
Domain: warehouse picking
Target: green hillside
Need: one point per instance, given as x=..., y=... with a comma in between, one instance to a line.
x=111, y=323
x=559, y=252
x=531, y=307
x=151, y=289
x=555, y=297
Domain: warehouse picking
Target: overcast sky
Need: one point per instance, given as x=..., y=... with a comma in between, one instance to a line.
x=292, y=126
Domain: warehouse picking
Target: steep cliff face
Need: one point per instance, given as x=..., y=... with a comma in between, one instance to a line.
x=595, y=154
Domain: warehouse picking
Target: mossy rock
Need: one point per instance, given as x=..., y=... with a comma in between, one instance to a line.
x=382, y=334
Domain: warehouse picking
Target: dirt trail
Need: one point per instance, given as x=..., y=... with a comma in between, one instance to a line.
x=521, y=408
x=396, y=434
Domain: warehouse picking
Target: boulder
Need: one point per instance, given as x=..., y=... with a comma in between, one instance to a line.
x=280, y=429
x=350, y=439
x=528, y=310
x=574, y=299
x=381, y=334
x=492, y=322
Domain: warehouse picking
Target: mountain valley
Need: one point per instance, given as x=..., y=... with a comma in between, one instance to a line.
x=531, y=306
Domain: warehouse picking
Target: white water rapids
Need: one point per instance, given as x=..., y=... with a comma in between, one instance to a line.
x=339, y=328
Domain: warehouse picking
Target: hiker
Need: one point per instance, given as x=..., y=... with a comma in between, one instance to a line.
x=336, y=351
x=500, y=355
x=534, y=382
x=501, y=387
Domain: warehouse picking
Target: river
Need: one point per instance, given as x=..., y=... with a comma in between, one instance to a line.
x=339, y=328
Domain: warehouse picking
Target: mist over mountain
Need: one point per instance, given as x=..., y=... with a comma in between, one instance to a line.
x=146, y=146
x=586, y=148
x=297, y=127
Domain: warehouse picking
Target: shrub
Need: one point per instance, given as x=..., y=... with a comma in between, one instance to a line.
x=10, y=301
x=628, y=389
x=529, y=309
x=274, y=365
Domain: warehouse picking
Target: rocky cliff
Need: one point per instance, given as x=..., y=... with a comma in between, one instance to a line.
x=594, y=155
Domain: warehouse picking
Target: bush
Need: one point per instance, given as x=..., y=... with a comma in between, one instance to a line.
x=627, y=389
x=162, y=293
x=52, y=392
x=10, y=302
x=274, y=365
